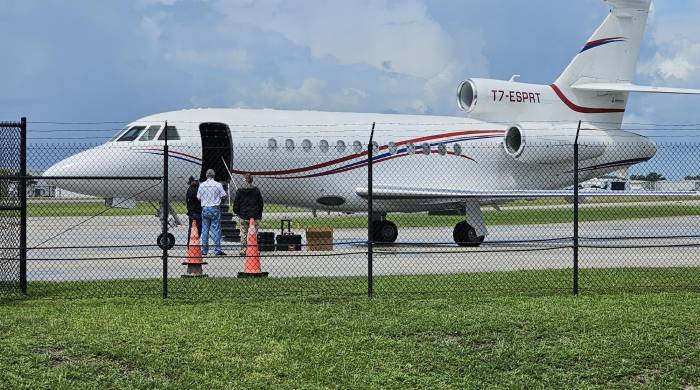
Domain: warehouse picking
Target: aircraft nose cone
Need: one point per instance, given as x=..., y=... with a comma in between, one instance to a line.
x=66, y=173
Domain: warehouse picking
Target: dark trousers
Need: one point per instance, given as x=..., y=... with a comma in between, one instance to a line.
x=194, y=217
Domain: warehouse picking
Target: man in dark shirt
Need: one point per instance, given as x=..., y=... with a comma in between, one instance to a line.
x=247, y=204
x=194, y=208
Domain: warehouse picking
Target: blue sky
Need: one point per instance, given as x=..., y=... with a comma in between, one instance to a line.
x=120, y=60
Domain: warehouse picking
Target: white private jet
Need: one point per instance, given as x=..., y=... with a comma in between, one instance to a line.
x=517, y=141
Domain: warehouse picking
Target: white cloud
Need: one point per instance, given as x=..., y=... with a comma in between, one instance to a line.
x=400, y=35
x=309, y=93
x=393, y=37
x=676, y=42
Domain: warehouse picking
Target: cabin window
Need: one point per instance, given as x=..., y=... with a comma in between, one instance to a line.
x=425, y=148
x=340, y=147
x=393, y=148
x=410, y=148
x=272, y=144
x=357, y=146
x=150, y=133
x=442, y=149
x=289, y=144
x=172, y=134
x=458, y=149
x=323, y=145
x=132, y=134
x=306, y=145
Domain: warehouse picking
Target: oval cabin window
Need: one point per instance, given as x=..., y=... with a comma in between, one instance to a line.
x=306, y=145
x=323, y=145
x=357, y=146
x=410, y=148
x=272, y=144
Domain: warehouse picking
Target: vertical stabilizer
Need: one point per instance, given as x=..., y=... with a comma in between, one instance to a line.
x=610, y=55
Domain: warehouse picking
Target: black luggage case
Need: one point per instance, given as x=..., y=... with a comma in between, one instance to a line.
x=266, y=241
x=287, y=241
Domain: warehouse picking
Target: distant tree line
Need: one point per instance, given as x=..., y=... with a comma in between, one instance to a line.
x=696, y=177
x=651, y=176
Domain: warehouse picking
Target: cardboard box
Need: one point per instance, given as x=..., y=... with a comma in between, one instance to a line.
x=319, y=239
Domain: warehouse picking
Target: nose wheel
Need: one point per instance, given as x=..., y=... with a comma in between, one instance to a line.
x=384, y=231
x=465, y=235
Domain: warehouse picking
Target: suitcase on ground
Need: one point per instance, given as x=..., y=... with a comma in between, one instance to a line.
x=286, y=240
x=266, y=241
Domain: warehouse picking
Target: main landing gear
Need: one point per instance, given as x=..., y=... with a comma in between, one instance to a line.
x=472, y=231
x=384, y=231
x=465, y=235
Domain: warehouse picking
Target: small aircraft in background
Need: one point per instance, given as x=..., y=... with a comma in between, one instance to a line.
x=516, y=142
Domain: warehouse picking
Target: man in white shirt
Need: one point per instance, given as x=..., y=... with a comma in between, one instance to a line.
x=210, y=194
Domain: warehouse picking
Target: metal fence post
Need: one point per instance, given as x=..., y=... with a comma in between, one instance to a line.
x=575, y=287
x=166, y=210
x=370, y=224
x=23, y=206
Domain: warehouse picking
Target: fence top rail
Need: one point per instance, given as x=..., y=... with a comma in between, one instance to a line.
x=31, y=177
x=10, y=125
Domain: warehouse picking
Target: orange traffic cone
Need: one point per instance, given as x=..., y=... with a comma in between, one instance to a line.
x=251, y=267
x=194, y=260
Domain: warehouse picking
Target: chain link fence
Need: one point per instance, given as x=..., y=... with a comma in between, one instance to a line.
x=12, y=233
x=95, y=212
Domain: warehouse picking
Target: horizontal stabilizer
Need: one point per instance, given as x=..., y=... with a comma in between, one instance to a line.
x=627, y=87
x=397, y=193
x=642, y=4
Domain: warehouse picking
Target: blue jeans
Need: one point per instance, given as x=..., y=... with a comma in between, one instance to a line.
x=211, y=222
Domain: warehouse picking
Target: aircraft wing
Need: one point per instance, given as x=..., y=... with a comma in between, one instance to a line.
x=627, y=87
x=398, y=193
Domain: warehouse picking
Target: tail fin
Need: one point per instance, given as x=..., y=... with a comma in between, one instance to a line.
x=610, y=55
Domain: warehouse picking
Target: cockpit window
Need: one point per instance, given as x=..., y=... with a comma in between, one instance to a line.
x=132, y=134
x=172, y=134
x=119, y=134
x=150, y=133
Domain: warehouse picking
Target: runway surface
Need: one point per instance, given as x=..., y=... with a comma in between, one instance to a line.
x=59, y=249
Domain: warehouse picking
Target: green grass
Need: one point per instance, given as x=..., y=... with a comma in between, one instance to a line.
x=505, y=217
x=553, y=280
x=492, y=217
x=465, y=340
x=599, y=199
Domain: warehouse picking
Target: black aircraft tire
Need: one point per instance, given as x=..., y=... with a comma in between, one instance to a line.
x=465, y=235
x=385, y=231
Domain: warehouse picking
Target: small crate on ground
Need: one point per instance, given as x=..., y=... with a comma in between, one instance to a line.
x=319, y=239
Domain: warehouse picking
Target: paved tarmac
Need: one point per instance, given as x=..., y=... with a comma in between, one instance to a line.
x=62, y=249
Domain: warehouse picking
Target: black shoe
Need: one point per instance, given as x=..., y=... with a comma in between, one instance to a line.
x=221, y=254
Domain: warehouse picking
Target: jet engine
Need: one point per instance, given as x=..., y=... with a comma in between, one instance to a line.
x=548, y=145
x=492, y=99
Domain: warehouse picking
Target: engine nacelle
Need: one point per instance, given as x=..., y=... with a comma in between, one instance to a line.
x=549, y=145
x=497, y=100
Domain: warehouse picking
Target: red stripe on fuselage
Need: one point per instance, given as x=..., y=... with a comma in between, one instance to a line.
x=583, y=110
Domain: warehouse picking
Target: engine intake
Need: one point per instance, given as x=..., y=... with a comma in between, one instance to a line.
x=466, y=96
